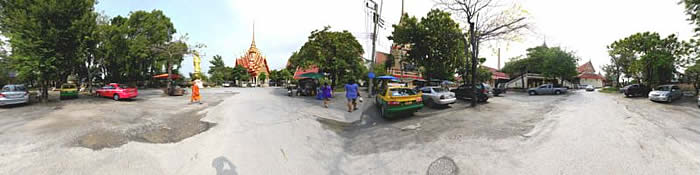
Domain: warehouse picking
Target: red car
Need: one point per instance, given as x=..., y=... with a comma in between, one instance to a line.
x=117, y=91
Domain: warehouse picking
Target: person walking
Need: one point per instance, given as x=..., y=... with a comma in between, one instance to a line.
x=326, y=94
x=196, y=97
x=352, y=92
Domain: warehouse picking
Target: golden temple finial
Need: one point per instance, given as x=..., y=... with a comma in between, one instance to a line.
x=252, y=45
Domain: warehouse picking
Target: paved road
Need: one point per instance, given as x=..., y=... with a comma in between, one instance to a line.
x=261, y=131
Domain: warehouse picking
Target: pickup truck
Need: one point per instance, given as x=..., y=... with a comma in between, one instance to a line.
x=546, y=89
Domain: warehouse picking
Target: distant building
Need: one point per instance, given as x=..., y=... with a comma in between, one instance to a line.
x=588, y=76
x=256, y=63
x=401, y=70
x=496, y=76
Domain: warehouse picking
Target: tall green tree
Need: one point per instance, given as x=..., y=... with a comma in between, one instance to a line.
x=551, y=62
x=218, y=71
x=337, y=53
x=46, y=36
x=649, y=58
x=692, y=75
x=436, y=43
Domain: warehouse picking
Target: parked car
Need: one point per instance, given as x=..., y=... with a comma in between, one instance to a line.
x=396, y=100
x=499, y=89
x=14, y=94
x=590, y=88
x=636, y=90
x=665, y=93
x=68, y=91
x=437, y=96
x=117, y=91
x=226, y=84
x=546, y=89
x=467, y=92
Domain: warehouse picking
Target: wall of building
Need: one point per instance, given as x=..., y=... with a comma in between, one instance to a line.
x=598, y=83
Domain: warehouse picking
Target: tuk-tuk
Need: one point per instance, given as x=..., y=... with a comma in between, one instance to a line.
x=307, y=87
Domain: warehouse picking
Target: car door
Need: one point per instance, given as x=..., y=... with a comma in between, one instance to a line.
x=426, y=93
x=676, y=92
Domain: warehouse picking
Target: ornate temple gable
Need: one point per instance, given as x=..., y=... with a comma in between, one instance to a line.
x=253, y=60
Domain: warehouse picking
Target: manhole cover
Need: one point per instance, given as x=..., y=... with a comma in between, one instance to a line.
x=442, y=166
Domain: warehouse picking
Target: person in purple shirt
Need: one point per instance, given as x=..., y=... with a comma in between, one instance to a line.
x=352, y=93
x=326, y=94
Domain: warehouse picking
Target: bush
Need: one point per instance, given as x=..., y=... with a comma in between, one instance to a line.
x=610, y=90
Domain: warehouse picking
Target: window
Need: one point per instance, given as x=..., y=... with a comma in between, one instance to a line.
x=20, y=88
x=543, y=86
x=663, y=88
x=400, y=92
x=425, y=90
x=7, y=88
x=439, y=90
x=107, y=87
x=123, y=86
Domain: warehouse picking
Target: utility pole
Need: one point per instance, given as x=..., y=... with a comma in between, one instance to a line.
x=377, y=20
x=499, y=59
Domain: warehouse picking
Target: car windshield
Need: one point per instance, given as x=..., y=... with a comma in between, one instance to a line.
x=7, y=88
x=663, y=88
x=439, y=90
x=400, y=92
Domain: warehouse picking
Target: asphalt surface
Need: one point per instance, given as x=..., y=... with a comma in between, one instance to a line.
x=262, y=131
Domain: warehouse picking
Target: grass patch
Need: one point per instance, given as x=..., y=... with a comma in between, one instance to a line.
x=610, y=90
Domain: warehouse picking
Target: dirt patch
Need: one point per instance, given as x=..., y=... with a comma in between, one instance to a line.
x=173, y=129
x=102, y=139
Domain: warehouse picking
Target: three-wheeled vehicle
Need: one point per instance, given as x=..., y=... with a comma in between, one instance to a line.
x=307, y=87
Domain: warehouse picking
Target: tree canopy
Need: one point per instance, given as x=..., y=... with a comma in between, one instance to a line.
x=338, y=54
x=436, y=43
x=647, y=57
x=552, y=62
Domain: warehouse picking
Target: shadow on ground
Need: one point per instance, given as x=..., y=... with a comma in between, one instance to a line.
x=223, y=166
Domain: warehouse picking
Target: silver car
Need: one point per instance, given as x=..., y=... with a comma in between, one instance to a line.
x=433, y=96
x=13, y=94
x=665, y=93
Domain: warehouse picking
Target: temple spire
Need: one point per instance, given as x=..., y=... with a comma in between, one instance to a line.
x=253, y=44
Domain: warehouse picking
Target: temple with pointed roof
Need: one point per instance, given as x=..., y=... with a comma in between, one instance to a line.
x=256, y=63
x=588, y=76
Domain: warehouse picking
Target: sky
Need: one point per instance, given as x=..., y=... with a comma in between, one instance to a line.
x=283, y=26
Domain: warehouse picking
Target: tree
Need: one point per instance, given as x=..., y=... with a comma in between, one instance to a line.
x=649, y=58
x=551, y=62
x=262, y=77
x=692, y=75
x=486, y=23
x=435, y=43
x=240, y=73
x=218, y=71
x=337, y=53
x=46, y=36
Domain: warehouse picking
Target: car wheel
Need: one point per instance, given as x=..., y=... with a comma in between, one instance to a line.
x=557, y=92
x=532, y=93
x=116, y=97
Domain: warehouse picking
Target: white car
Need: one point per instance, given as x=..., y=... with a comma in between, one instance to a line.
x=666, y=93
x=433, y=96
x=14, y=94
x=590, y=88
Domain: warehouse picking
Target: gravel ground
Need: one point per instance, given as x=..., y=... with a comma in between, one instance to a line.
x=262, y=131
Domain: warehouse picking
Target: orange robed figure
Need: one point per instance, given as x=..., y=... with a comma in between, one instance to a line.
x=195, y=91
